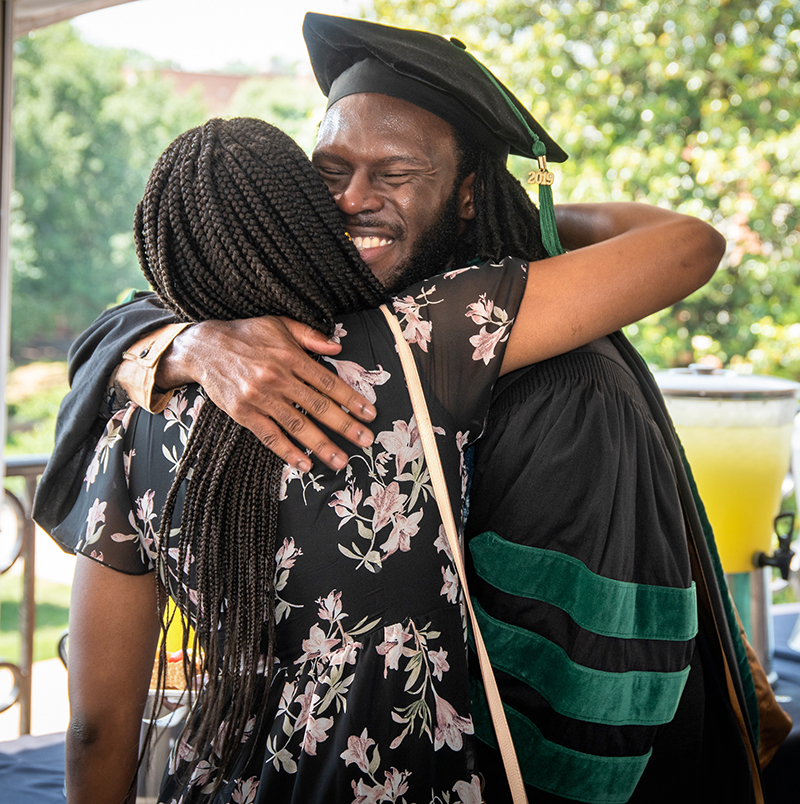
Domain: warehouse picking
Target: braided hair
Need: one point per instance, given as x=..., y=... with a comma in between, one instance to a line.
x=236, y=223
x=506, y=221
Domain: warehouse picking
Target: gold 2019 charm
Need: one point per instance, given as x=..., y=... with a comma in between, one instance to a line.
x=541, y=177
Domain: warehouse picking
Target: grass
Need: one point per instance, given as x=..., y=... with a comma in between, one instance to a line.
x=34, y=393
x=52, y=617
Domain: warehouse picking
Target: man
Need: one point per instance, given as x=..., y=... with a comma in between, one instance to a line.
x=687, y=704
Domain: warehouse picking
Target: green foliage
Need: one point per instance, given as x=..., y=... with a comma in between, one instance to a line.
x=32, y=423
x=86, y=138
x=52, y=617
x=692, y=104
x=33, y=396
x=293, y=104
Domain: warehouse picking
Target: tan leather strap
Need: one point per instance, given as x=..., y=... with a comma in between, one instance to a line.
x=137, y=372
x=439, y=484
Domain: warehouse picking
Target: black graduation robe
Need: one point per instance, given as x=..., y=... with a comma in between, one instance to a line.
x=581, y=511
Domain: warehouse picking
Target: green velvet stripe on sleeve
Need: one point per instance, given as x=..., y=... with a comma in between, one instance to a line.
x=548, y=766
x=632, y=698
x=602, y=605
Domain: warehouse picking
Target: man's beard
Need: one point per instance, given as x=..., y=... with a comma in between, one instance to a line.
x=434, y=248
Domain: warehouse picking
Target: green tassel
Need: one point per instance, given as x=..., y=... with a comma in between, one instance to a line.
x=547, y=221
x=547, y=213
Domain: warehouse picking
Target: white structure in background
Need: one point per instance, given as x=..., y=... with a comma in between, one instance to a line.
x=18, y=17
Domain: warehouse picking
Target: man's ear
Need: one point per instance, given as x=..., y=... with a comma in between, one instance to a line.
x=466, y=198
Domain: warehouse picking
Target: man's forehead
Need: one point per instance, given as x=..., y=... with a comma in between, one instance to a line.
x=380, y=103
x=373, y=116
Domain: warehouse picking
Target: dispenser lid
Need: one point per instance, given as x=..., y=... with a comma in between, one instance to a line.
x=698, y=380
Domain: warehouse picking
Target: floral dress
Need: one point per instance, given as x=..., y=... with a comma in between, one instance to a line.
x=369, y=700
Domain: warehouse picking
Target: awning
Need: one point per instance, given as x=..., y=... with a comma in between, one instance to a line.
x=30, y=14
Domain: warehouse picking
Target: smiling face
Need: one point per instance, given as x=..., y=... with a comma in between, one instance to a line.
x=391, y=168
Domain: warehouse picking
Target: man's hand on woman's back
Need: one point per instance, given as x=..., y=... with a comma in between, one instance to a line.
x=258, y=371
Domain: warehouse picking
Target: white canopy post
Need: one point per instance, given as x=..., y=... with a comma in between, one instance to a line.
x=6, y=169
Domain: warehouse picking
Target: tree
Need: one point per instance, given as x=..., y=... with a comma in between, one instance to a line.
x=691, y=104
x=86, y=138
x=294, y=104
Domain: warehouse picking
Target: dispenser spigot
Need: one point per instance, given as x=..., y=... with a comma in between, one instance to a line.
x=782, y=557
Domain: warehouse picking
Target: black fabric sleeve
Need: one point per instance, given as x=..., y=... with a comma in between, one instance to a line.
x=83, y=414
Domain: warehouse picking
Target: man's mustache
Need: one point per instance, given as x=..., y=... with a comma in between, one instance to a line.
x=372, y=222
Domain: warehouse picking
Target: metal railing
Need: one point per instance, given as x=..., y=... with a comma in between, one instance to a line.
x=28, y=467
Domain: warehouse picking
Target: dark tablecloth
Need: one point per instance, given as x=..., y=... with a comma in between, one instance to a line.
x=32, y=770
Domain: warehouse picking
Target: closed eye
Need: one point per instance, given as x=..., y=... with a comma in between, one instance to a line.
x=396, y=177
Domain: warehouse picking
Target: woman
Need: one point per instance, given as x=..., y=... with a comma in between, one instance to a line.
x=329, y=634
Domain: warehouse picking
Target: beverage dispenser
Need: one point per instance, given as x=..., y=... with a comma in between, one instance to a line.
x=736, y=430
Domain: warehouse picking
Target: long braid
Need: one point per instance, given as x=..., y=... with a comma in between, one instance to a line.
x=506, y=220
x=236, y=223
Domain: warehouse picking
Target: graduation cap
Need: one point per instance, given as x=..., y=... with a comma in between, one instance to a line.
x=352, y=56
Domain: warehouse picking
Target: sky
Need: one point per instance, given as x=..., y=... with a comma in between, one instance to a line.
x=208, y=35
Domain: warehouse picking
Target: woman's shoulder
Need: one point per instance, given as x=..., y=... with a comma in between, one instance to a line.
x=490, y=288
x=480, y=276
x=460, y=305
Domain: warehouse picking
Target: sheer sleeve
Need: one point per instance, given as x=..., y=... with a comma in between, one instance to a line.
x=101, y=523
x=469, y=311
x=116, y=516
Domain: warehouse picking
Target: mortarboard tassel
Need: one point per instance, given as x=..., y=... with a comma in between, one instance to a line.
x=543, y=177
x=547, y=213
x=547, y=220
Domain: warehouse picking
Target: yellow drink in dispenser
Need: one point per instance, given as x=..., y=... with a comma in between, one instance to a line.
x=737, y=434
x=739, y=476
x=175, y=675
x=176, y=629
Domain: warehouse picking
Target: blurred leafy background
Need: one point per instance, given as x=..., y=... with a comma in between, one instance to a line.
x=691, y=104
